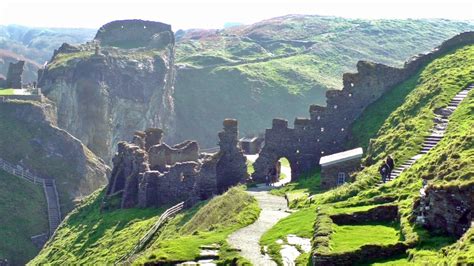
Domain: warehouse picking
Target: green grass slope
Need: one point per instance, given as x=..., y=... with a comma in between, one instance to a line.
x=23, y=215
x=89, y=236
x=278, y=67
x=399, y=130
x=205, y=224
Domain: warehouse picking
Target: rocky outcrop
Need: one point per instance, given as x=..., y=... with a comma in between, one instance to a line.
x=32, y=139
x=135, y=33
x=148, y=172
x=449, y=209
x=327, y=129
x=104, y=93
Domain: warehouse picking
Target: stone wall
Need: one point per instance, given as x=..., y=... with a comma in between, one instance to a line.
x=329, y=174
x=327, y=129
x=231, y=167
x=15, y=70
x=450, y=209
x=386, y=213
x=149, y=173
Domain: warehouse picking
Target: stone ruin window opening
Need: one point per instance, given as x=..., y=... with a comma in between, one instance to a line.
x=350, y=94
x=144, y=27
x=322, y=129
x=342, y=129
x=341, y=178
x=352, y=84
x=318, y=118
x=322, y=152
x=335, y=106
x=297, y=151
x=318, y=140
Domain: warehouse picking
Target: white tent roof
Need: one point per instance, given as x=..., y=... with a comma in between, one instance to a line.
x=341, y=157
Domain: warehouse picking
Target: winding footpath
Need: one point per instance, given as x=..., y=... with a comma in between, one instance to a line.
x=247, y=239
x=273, y=209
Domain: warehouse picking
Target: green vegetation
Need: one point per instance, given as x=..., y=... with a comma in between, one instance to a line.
x=299, y=223
x=5, y=92
x=205, y=224
x=350, y=237
x=89, y=236
x=63, y=60
x=23, y=212
x=299, y=190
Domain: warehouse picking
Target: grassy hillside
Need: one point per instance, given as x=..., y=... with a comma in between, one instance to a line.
x=400, y=131
x=89, y=236
x=23, y=215
x=278, y=67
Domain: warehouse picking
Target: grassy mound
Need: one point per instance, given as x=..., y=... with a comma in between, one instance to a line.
x=23, y=215
x=206, y=224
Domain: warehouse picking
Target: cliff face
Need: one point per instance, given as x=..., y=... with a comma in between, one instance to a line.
x=29, y=137
x=105, y=93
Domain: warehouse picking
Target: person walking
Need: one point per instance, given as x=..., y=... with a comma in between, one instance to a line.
x=391, y=164
x=384, y=170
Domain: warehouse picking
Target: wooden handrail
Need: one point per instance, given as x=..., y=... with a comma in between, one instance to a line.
x=151, y=232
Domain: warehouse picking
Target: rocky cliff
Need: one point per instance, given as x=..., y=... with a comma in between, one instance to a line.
x=29, y=137
x=107, y=89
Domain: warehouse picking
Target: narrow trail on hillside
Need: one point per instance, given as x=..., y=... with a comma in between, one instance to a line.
x=247, y=239
x=274, y=208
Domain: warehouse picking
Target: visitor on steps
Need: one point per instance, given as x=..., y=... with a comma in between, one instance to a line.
x=384, y=170
x=390, y=163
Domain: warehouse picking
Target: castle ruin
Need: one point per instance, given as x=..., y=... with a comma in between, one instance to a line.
x=149, y=173
x=328, y=128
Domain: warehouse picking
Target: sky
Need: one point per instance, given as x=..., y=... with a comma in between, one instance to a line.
x=185, y=14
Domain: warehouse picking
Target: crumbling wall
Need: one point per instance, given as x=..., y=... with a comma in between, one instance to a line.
x=163, y=155
x=150, y=173
x=15, y=70
x=231, y=166
x=450, y=209
x=327, y=129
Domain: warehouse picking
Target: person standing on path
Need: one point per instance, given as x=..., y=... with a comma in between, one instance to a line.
x=391, y=164
x=384, y=170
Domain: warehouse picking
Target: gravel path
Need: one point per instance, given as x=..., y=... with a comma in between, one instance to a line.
x=247, y=238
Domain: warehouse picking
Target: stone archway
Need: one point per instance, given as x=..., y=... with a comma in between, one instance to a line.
x=268, y=160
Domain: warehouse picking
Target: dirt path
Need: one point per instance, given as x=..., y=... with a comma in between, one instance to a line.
x=247, y=238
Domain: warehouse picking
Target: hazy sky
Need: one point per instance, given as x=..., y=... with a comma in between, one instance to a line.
x=213, y=14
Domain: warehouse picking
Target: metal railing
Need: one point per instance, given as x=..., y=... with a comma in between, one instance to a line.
x=20, y=172
x=150, y=233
